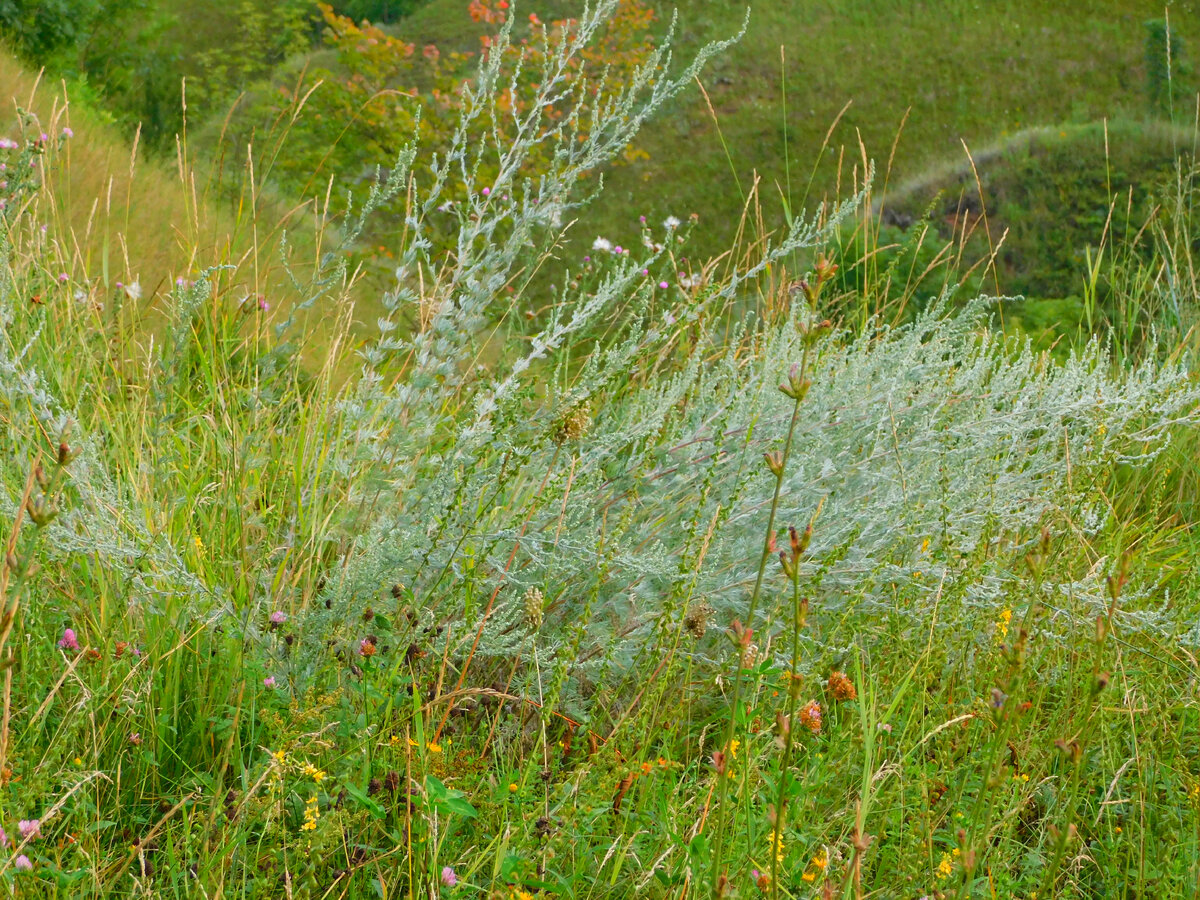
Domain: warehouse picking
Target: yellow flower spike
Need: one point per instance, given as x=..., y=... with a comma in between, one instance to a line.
x=1002, y=625
x=945, y=868
x=775, y=845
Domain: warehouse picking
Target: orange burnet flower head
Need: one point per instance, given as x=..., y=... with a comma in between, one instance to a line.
x=810, y=716
x=841, y=687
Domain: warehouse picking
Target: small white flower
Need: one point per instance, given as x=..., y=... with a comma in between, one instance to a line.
x=602, y=244
x=671, y=223
x=134, y=291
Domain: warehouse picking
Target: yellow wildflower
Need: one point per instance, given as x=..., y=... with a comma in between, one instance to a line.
x=775, y=844
x=435, y=747
x=945, y=868
x=314, y=773
x=311, y=814
x=1002, y=624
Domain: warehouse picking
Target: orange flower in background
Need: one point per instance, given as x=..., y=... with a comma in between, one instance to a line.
x=841, y=687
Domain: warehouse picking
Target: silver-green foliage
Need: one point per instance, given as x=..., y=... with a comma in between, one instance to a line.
x=919, y=445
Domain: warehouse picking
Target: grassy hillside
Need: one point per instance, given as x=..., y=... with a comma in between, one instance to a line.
x=813, y=86
x=115, y=215
x=118, y=213
x=601, y=591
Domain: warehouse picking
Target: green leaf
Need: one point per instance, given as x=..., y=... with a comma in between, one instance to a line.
x=361, y=796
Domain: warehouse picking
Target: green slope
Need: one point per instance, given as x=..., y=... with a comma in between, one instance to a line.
x=920, y=82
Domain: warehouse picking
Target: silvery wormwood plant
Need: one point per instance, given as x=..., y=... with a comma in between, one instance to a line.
x=622, y=477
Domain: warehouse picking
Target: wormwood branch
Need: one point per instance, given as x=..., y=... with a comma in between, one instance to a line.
x=462, y=676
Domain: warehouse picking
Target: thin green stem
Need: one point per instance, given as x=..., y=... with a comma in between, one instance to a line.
x=719, y=848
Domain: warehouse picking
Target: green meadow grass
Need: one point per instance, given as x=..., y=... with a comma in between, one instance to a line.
x=194, y=744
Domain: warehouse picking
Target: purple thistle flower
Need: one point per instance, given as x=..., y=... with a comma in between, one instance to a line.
x=278, y=617
x=69, y=641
